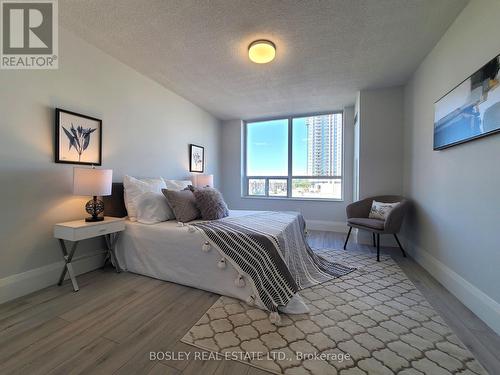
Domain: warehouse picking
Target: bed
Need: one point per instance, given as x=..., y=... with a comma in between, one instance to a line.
x=191, y=254
x=170, y=252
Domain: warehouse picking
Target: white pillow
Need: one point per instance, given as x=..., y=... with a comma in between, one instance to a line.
x=134, y=187
x=381, y=210
x=152, y=208
x=177, y=184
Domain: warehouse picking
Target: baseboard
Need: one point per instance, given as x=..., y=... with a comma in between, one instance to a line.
x=486, y=308
x=20, y=284
x=330, y=226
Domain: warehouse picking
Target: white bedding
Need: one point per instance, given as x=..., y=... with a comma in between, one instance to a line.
x=171, y=252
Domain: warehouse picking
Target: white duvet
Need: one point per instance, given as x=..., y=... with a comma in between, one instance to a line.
x=170, y=252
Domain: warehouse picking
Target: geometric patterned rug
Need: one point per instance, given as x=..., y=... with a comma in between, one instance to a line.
x=371, y=321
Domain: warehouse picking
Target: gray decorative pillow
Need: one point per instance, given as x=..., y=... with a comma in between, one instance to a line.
x=210, y=203
x=183, y=203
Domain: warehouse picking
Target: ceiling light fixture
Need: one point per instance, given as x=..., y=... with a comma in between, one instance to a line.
x=261, y=51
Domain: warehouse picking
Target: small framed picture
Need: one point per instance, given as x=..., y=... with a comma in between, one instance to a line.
x=78, y=138
x=197, y=158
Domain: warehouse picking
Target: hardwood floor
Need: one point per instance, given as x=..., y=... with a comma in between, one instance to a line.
x=112, y=324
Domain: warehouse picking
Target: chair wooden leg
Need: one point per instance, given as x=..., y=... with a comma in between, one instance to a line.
x=373, y=237
x=378, y=247
x=347, y=239
x=399, y=243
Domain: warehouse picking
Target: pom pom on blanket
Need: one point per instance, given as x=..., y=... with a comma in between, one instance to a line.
x=251, y=300
x=222, y=264
x=180, y=224
x=206, y=247
x=191, y=229
x=275, y=318
x=240, y=281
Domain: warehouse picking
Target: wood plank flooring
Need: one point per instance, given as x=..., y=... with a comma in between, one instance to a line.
x=112, y=324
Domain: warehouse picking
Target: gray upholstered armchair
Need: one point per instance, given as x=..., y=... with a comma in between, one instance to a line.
x=357, y=217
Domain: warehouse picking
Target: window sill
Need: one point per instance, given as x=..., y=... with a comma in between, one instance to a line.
x=292, y=199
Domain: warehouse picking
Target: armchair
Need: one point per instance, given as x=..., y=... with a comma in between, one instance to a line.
x=357, y=217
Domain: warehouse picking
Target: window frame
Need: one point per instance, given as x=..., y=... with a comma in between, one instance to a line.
x=245, y=178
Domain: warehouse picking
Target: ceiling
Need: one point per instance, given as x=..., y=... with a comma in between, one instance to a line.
x=327, y=50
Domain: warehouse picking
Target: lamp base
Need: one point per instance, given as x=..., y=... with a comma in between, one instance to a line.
x=94, y=207
x=93, y=219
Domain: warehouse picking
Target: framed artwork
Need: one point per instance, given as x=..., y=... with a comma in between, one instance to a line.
x=78, y=138
x=196, y=158
x=471, y=110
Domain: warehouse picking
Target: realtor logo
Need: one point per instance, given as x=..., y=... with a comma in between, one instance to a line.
x=29, y=34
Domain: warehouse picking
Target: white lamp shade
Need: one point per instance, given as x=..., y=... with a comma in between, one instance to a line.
x=92, y=182
x=203, y=180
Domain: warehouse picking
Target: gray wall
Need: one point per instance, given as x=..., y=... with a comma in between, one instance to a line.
x=454, y=231
x=320, y=211
x=146, y=131
x=380, y=143
x=378, y=148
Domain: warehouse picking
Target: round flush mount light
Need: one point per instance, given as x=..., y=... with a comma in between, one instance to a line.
x=261, y=51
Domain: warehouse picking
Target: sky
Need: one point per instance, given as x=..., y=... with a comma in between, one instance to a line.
x=267, y=143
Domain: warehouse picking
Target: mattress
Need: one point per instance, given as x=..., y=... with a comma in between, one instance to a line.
x=170, y=252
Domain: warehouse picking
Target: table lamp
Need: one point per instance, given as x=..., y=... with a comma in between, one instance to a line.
x=203, y=180
x=92, y=182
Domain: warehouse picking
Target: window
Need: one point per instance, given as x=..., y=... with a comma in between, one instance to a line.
x=295, y=157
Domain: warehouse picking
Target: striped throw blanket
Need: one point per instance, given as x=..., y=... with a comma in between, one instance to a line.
x=271, y=249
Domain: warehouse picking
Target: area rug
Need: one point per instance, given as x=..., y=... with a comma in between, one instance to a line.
x=371, y=321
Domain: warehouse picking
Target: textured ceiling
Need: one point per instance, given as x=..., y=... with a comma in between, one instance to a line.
x=326, y=49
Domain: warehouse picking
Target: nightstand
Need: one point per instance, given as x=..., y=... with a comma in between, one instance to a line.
x=78, y=230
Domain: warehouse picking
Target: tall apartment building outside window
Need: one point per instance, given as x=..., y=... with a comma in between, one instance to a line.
x=295, y=157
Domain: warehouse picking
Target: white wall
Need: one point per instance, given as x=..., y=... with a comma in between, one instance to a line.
x=380, y=143
x=328, y=215
x=454, y=231
x=146, y=132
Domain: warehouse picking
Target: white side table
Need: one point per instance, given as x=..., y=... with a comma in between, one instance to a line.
x=78, y=230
